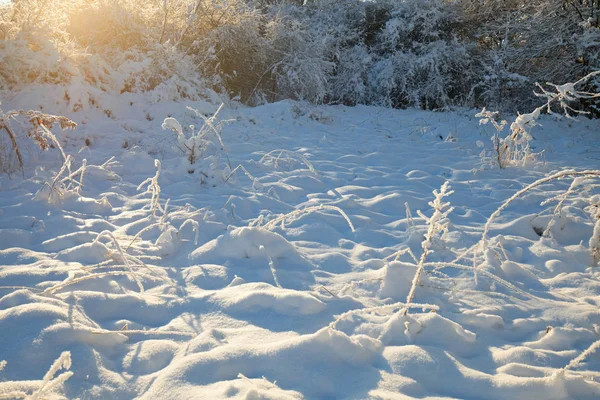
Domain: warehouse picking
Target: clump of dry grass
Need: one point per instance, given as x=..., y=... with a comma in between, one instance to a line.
x=50, y=382
x=38, y=127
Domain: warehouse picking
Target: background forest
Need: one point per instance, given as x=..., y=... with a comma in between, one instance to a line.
x=430, y=54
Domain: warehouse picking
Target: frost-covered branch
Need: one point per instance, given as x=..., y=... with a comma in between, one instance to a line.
x=436, y=224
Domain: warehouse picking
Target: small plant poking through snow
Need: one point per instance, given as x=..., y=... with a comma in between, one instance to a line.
x=49, y=383
x=482, y=245
x=594, y=211
x=164, y=225
x=153, y=188
x=61, y=186
x=53, y=192
x=515, y=149
x=275, y=157
x=386, y=308
x=256, y=185
x=206, y=141
x=499, y=148
x=595, y=242
x=558, y=210
x=124, y=258
x=38, y=129
x=437, y=224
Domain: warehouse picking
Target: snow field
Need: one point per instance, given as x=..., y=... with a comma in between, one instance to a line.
x=170, y=280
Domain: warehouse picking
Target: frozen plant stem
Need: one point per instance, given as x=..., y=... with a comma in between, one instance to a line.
x=491, y=116
x=14, y=144
x=162, y=224
x=569, y=173
x=62, y=285
x=514, y=148
x=154, y=188
x=558, y=209
x=435, y=225
x=49, y=383
x=577, y=360
x=123, y=257
x=39, y=129
x=299, y=156
x=271, y=266
x=198, y=143
x=409, y=217
x=595, y=243
x=236, y=169
x=309, y=210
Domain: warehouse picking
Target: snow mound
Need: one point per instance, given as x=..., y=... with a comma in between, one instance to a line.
x=256, y=254
x=397, y=280
x=310, y=356
x=429, y=329
x=245, y=242
x=257, y=297
x=87, y=253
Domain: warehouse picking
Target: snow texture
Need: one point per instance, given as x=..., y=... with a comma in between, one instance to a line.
x=110, y=292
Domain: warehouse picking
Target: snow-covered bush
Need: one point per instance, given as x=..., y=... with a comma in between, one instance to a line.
x=350, y=84
x=38, y=17
x=110, y=25
x=301, y=66
x=204, y=149
x=420, y=61
x=520, y=43
x=514, y=149
x=33, y=46
x=498, y=87
x=394, y=53
x=594, y=211
x=162, y=69
x=138, y=60
x=259, y=56
x=228, y=44
x=422, y=53
x=106, y=45
x=347, y=29
x=27, y=59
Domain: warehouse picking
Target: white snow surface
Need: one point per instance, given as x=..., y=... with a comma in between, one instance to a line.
x=208, y=304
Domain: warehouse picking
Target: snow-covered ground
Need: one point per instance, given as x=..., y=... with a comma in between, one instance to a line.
x=204, y=298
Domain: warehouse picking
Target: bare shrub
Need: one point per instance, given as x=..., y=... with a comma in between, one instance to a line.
x=38, y=129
